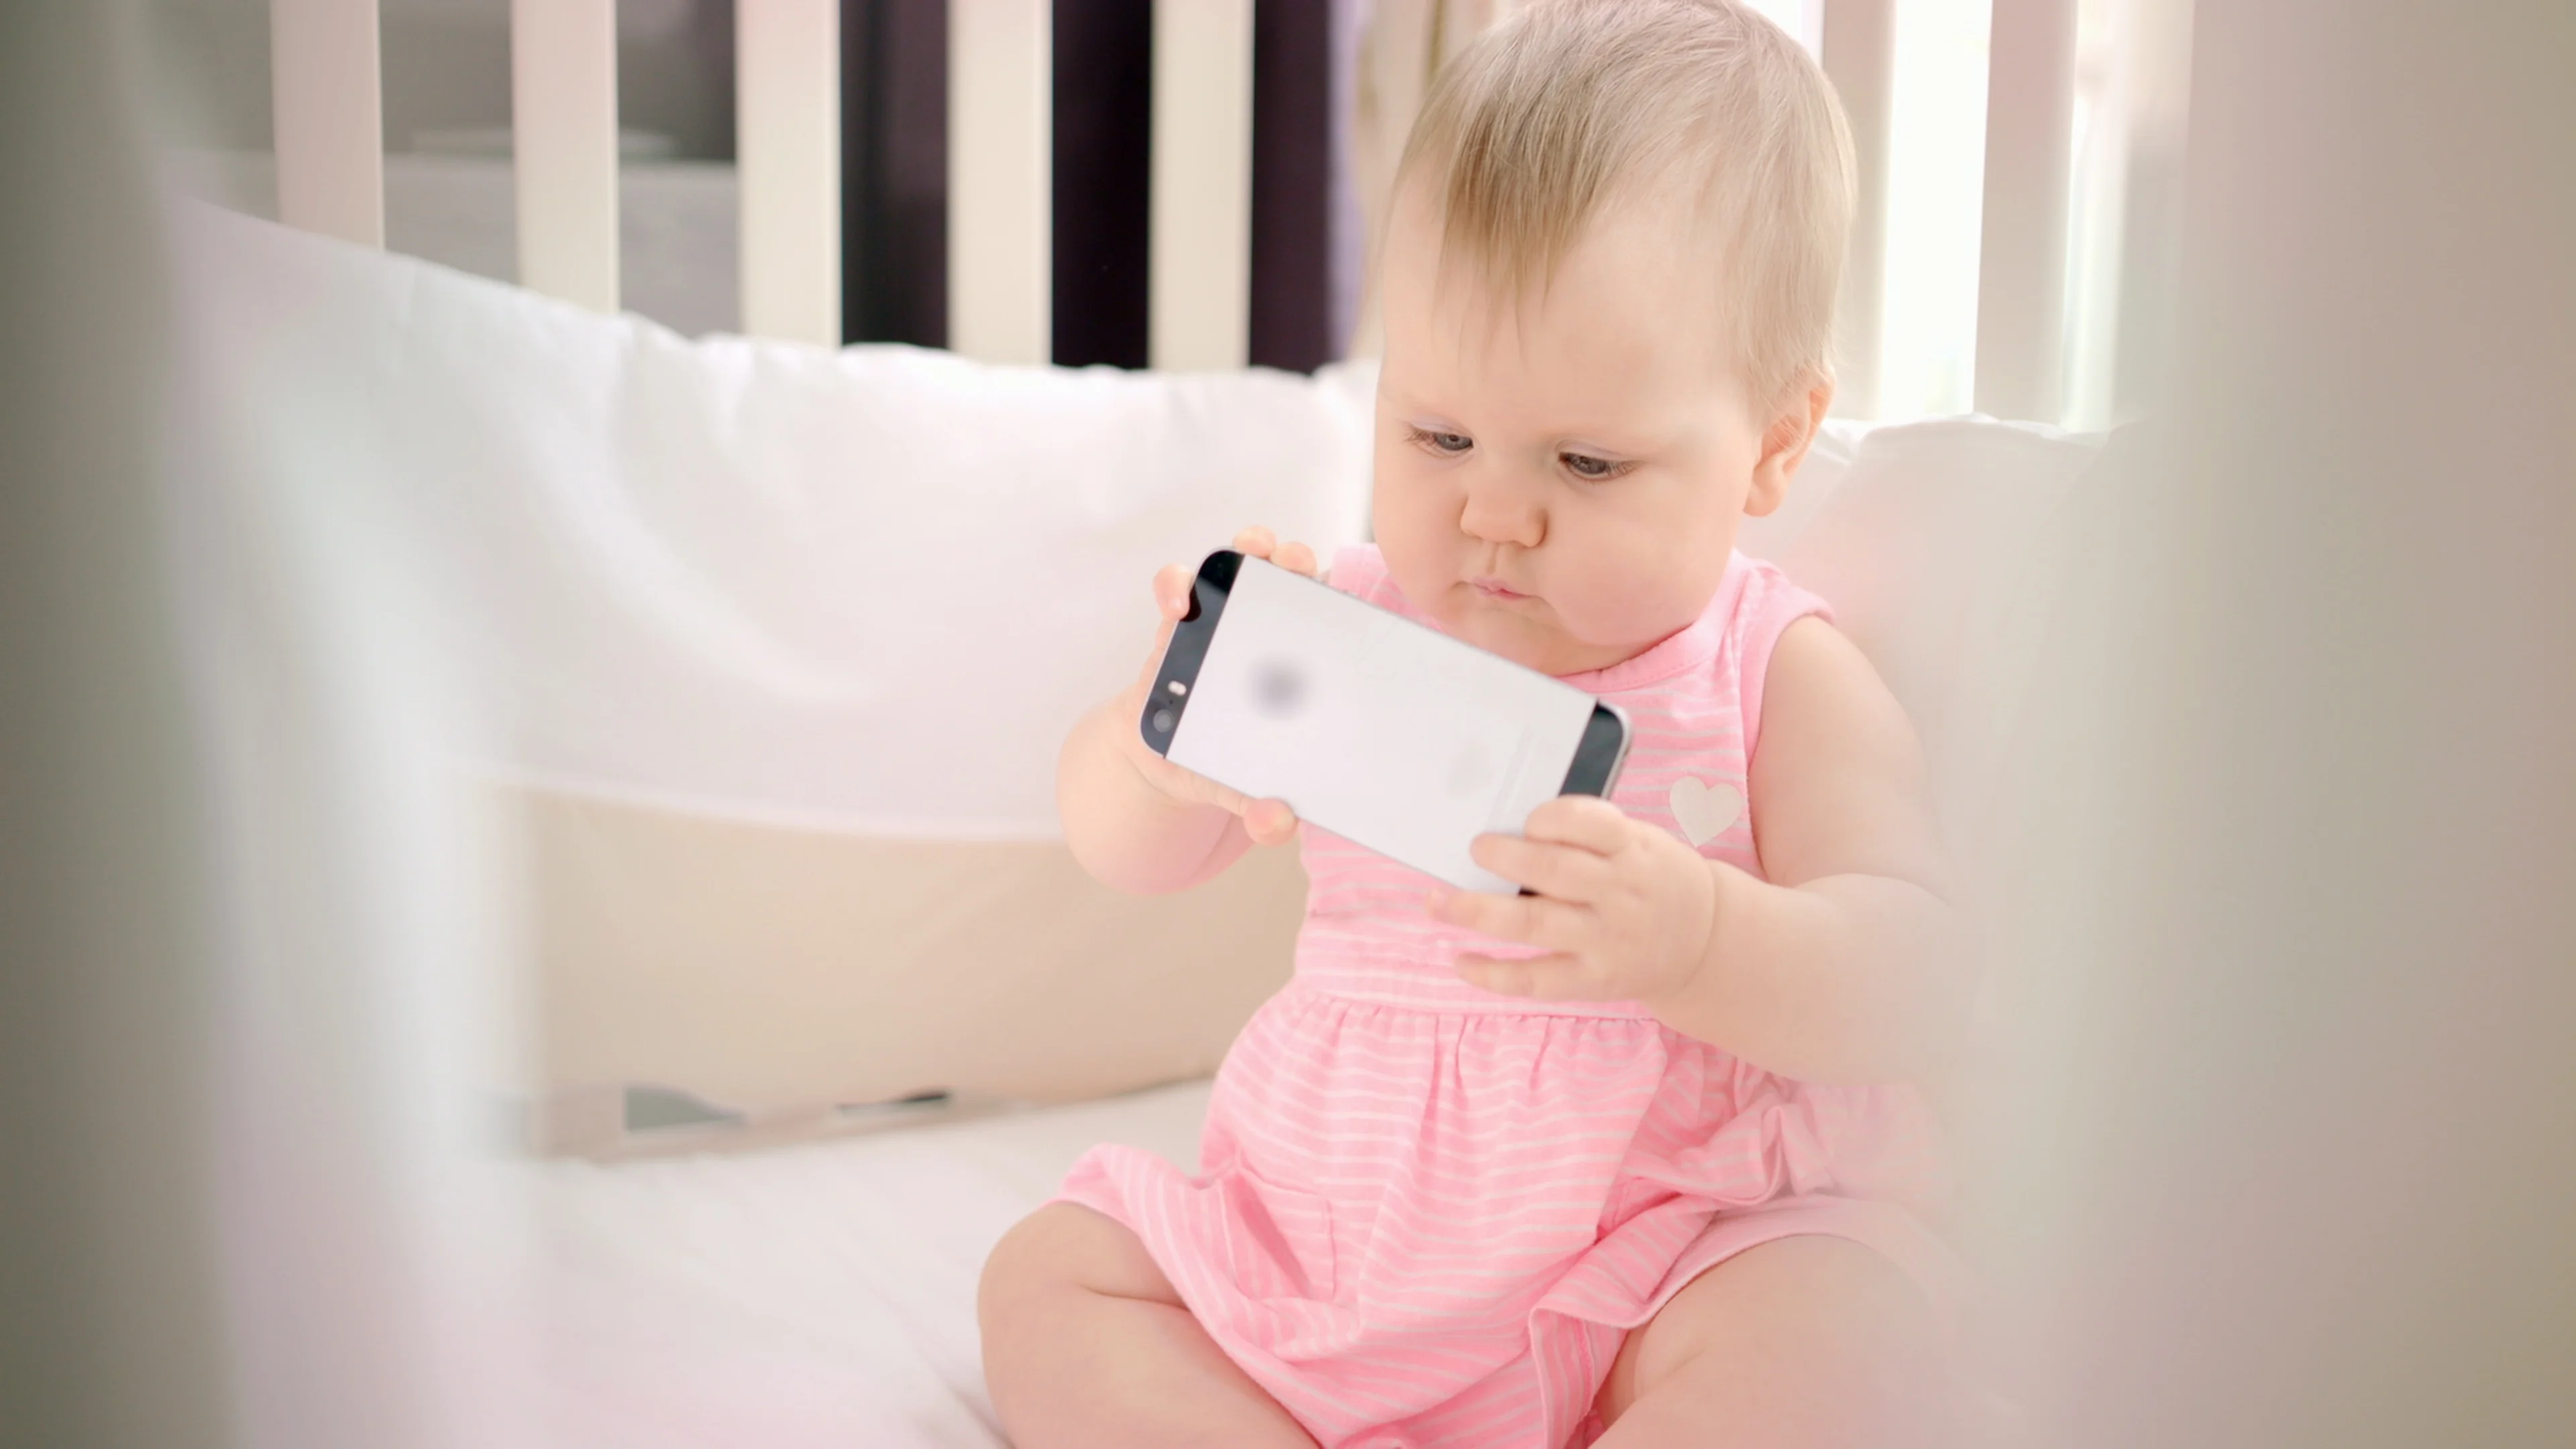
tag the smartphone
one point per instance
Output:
(1381, 730)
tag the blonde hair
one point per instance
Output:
(1569, 104)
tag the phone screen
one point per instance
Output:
(1371, 726)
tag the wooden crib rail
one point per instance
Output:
(1199, 226)
(327, 89)
(1859, 55)
(2021, 265)
(563, 98)
(787, 88)
(1000, 187)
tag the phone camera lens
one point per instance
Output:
(1163, 721)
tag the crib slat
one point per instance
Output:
(788, 139)
(327, 80)
(1860, 58)
(563, 102)
(2021, 275)
(1000, 155)
(1200, 233)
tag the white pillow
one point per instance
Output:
(1939, 544)
(1943, 548)
(852, 589)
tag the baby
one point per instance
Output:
(1631, 1159)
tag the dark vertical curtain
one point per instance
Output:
(894, 171)
(1292, 172)
(895, 189)
(1104, 121)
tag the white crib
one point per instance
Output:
(822, 1293)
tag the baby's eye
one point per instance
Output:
(1591, 469)
(1447, 445)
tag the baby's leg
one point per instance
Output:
(1800, 1341)
(1086, 1344)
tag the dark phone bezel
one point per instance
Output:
(1604, 747)
(1188, 647)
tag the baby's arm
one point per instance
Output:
(1851, 964)
(1137, 821)
(1848, 966)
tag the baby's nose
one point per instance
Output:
(1503, 515)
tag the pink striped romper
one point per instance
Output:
(1428, 1214)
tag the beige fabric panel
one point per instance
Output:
(765, 968)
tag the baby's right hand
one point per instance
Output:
(1268, 822)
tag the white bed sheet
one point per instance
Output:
(804, 1296)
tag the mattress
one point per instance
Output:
(805, 1296)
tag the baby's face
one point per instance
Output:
(1561, 483)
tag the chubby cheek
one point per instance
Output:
(1414, 520)
(1621, 586)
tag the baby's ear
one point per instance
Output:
(1784, 443)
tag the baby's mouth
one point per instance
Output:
(1496, 589)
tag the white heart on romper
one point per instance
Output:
(1704, 810)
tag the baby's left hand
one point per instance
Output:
(1623, 909)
